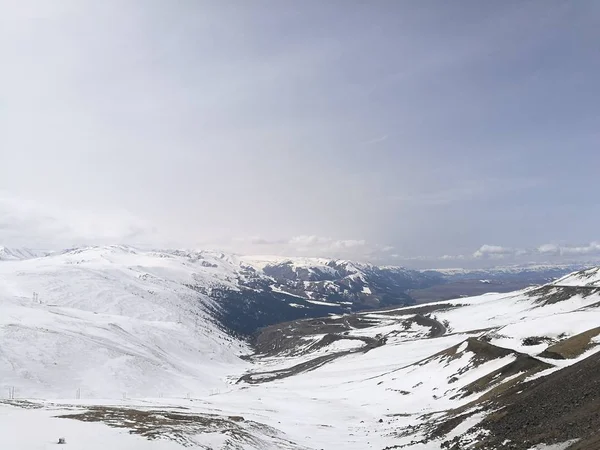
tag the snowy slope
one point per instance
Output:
(585, 278)
(394, 395)
(342, 281)
(11, 254)
(129, 326)
(116, 320)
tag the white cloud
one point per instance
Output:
(27, 224)
(593, 248)
(308, 241)
(349, 243)
(493, 251)
(303, 245)
(325, 244)
(275, 143)
(549, 249)
(258, 240)
(451, 257)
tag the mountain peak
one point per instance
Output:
(11, 254)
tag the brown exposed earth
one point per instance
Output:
(181, 427)
(558, 408)
(551, 293)
(288, 339)
(573, 346)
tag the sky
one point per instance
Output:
(418, 133)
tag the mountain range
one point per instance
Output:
(250, 292)
(172, 349)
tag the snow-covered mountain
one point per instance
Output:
(252, 292)
(247, 292)
(585, 278)
(526, 272)
(12, 254)
(116, 320)
(131, 347)
(95, 311)
(432, 376)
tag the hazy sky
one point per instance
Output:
(386, 130)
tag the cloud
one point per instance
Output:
(541, 253)
(325, 244)
(308, 241)
(360, 249)
(493, 251)
(376, 140)
(258, 240)
(277, 134)
(593, 248)
(303, 245)
(549, 249)
(27, 224)
(544, 250)
(451, 257)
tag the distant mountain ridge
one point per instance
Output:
(143, 341)
(251, 292)
(12, 254)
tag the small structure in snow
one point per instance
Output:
(62, 441)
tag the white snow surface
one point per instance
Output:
(12, 254)
(586, 278)
(109, 321)
(120, 327)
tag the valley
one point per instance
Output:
(299, 225)
(137, 349)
